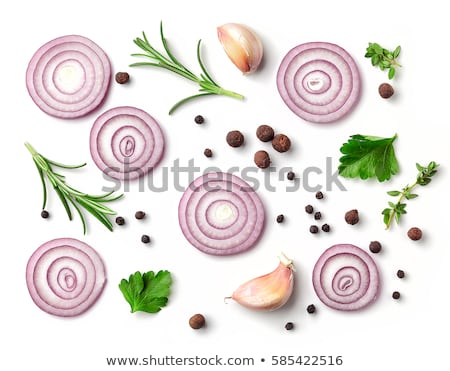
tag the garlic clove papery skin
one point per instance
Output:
(242, 46)
(268, 292)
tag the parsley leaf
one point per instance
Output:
(367, 157)
(146, 292)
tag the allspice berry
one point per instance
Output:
(197, 321)
(415, 233)
(386, 90)
(235, 138)
(262, 159)
(375, 247)
(281, 143)
(265, 133)
(139, 215)
(122, 77)
(352, 217)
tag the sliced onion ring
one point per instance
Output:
(68, 77)
(346, 278)
(319, 81)
(65, 277)
(126, 142)
(220, 214)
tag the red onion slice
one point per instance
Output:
(126, 142)
(65, 277)
(346, 278)
(220, 214)
(68, 77)
(319, 82)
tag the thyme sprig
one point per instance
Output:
(71, 196)
(396, 210)
(169, 62)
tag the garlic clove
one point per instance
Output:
(242, 46)
(270, 291)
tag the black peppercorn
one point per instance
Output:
(396, 295)
(317, 215)
(122, 77)
(309, 209)
(375, 247)
(45, 214)
(139, 215)
(265, 133)
(319, 195)
(120, 220)
(207, 152)
(262, 159)
(280, 218)
(400, 274)
(145, 238)
(199, 119)
(311, 308)
(386, 90)
(415, 233)
(291, 175)
(281, 143)
(314, 229)
(235, 138)
(289, 326)
(326, 228)
(352, 217)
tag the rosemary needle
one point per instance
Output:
(94, 204)
(169, 62)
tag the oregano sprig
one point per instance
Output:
(396, 210)
(383, 58)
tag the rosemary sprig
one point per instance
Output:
(169, 62)
(395, 210)
(69, 195)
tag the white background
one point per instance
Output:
(407, 333)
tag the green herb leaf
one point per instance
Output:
(367, 157)
(147, 292)
(410, 196)
(394, 193)
(391, 73)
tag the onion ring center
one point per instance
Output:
(127, 146)
(69, 76)
(67, 279)
(222, 214)
(317, 82)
